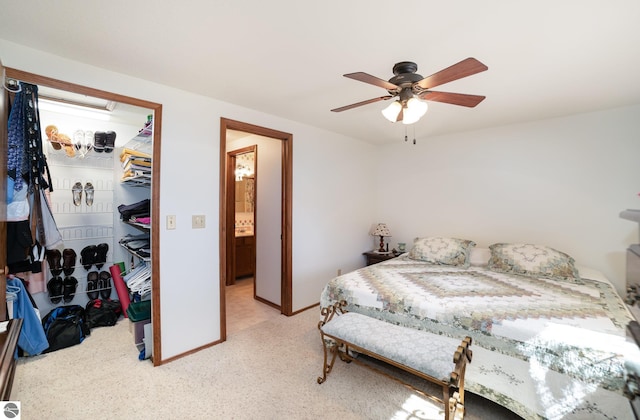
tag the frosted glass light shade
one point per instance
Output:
(391, 112)
(414, 111)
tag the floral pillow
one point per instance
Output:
(444, 251)
(532, 260)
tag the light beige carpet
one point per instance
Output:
(266, 371)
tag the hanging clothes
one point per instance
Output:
(27, 169)
(32, 338)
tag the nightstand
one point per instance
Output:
(374, 258)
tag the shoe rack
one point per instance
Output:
(82, 203)
(86, 192)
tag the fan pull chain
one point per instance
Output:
(405, 133)
(414, 134)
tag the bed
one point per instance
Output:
(549, 335)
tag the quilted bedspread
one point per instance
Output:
(543, 348)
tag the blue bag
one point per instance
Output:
(65, 326)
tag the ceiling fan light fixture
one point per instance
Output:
(391, 112)
(414, 110)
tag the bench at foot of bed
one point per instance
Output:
(421, 353)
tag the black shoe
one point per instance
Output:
(54, 287)
(53, 259)
(68, 261)
(88, 256)
(99, 141)
(101, 255)
(104, 285)
(70, 285)
(110, 141)
(92, 285)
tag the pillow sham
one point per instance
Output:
(532, 260)
(443, 251)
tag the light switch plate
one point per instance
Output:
(197, 221)
(171, 221)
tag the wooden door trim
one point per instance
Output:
(155, 184)
(226, 227)
(4, 139)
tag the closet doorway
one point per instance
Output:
(156, 110)
(266, 139)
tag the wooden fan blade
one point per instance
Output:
(459, 70)
(357, 104)
(452, 98)
(372, 80)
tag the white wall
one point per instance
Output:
(333, 188)
(559, 182)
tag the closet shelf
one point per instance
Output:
(145, 135)
(135, 254)
(142, 226)
(136, 158)
(138, 181)
(96, 160)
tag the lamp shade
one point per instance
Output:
(414, 111)
(381, 229)
(391, 112)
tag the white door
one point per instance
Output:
(268, 278)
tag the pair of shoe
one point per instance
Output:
(98, 283)
(104, 141)
(67, 257)
(77, 193)
(83, 142)
(94, 254)
(62, 289)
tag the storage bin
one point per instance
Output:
(139, 311)
(137, 329)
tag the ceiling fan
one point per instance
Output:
(410, 88)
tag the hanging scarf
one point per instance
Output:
(26, 159)
(37, 161)
(16, 155)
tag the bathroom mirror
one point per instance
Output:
(245, 182)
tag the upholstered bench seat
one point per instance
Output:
(438, 359)
(423, 351)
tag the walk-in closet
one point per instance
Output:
(99, 155)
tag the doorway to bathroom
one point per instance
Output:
(269, 225)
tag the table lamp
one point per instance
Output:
(382, 231)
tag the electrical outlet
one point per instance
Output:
(171, 221)
(197, 221)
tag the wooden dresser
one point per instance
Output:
(8, 344)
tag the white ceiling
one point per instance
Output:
(546, 58)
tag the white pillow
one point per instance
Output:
(444, 251)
